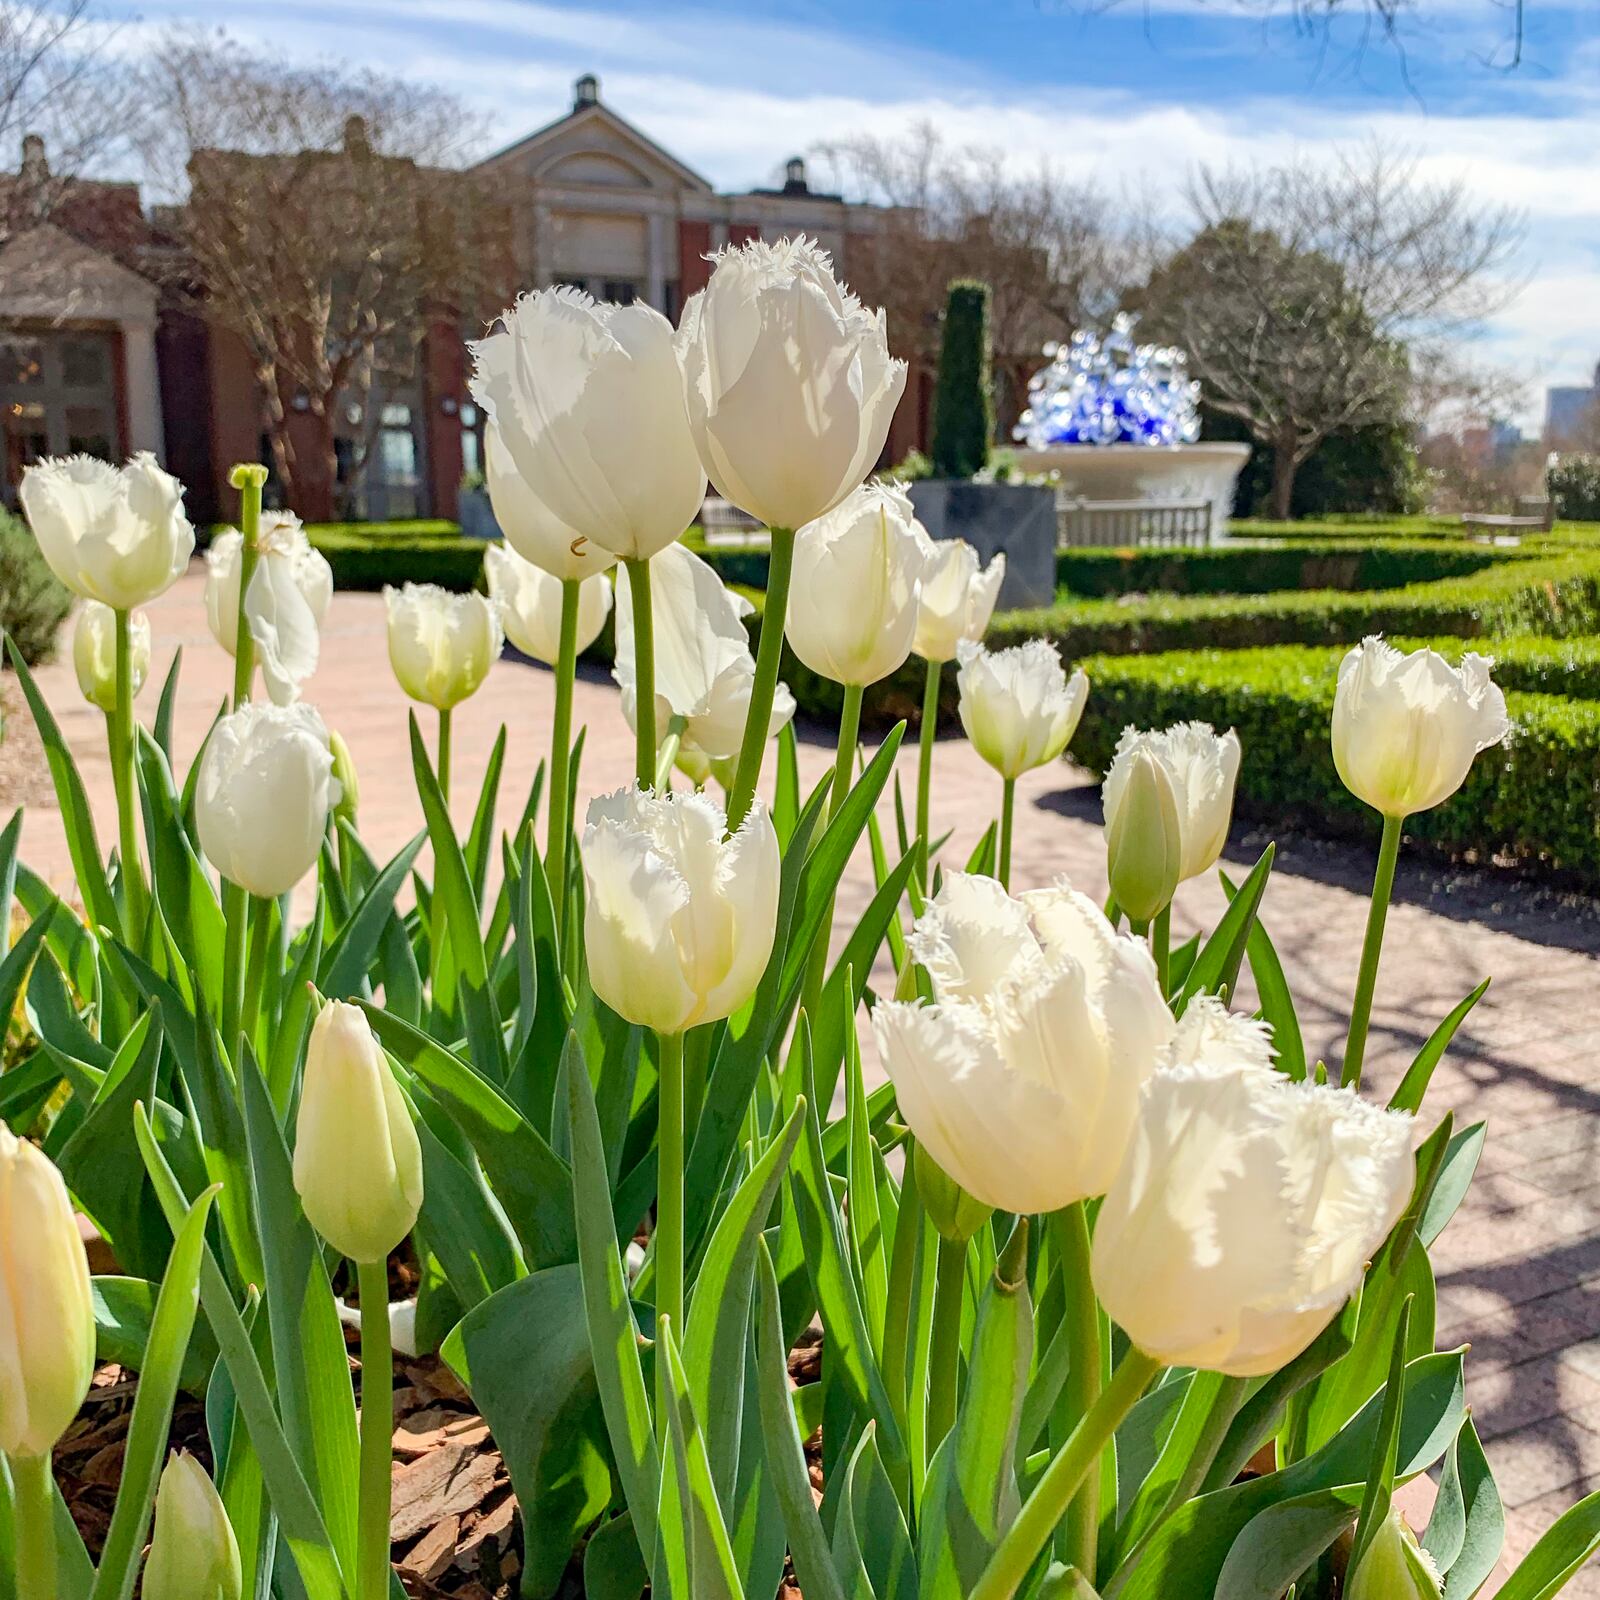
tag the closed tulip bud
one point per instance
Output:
(957, 598)
(588, 401)
(357, 1159)
(193, 1553)
(441, 645)
(1245, 1215)
(119, 537)
(679, 921)
(1202, 768)
(857, 577)
(266, 789)
(699, 634)
(529, 602)
(46, 1313)
(1022, 1078)
(955, 1215)
(1406, 727)
(530, 527)
(790, 384)
(1018, 706)
(94, 653)
(346, 776)
(1395, 1567)
(1144, 838)
(290, 591)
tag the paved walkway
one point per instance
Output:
(1519, 1270)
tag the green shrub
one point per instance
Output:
(1573, 482)
(368, 556)
(1557, 595)
(1535, 799)
(1242, 569)
(963, 407)
(33, 601)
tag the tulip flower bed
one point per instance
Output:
(1107, 1291)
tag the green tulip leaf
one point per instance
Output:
(1467, 1530)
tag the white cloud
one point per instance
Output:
(733, 97)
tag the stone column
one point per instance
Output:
(143, 387)
(656, 261)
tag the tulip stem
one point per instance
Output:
(644, 679)
(925, 737)
(669, 1200)
(34, 1525)
(1008, 807)
(944, 1355)
(560, 815)
(244, 645)
(126, 781)
(444, 755)
(1081, 1314)
(235, 948)
(1161, 945)
(377, 1433)
(1028, 1535)
(844, 761)
(1355, 1047)
(769, 654)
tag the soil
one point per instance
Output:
(24, 772)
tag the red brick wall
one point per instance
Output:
(183, 363)
(743, 232)
(444, 376)
(694, 245)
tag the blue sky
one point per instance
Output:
(1131, 92)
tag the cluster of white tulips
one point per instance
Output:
(1103, 1241)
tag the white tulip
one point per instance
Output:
(957, 598)
(588, 401)
(857, 579)
(1022, 1078)
(679, 921)
(119, 537)
(790, 384)
(266, 789)
(1018, 706)
(710, 741)
(530, 527)
(1406, 727)
(699, 634)
(441, 645)
(193, 1552)
(357, 1158)
(291, 589)
(1144, 839)
(46, 1312)
(94, 653)
(1209, 1034)
(1202, 769)
(529, 599)
(1245, 1215)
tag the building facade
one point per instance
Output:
(97, 357)
(1572, 414)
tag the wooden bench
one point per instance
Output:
(1532, 511)
(1111, 524)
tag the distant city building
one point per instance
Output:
(98, 354)
(1572, 413)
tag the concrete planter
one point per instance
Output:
(1176, 474)
(476, 515)
(1017, 518)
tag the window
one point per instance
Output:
(672, 296)
(85, 363)
(89, 430)
(57, 397)
(571, 283)
(623, 290)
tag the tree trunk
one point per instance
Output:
(1285, 464)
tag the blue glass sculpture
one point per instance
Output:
(1111, 391)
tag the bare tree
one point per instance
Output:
(1313, 299)
(1042, 243)
(324, 222)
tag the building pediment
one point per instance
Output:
(49, 275)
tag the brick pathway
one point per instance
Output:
(1519, 1270)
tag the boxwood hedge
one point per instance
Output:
(1535, 799)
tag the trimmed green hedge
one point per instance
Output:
(33, 601)
(1555, 595)
(1535, 799)
(368, 555)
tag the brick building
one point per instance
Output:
(95, 356)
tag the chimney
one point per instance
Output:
(794, 176)
(35, 163)
(356, 142)
(586, 92)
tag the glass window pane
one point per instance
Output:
(85, 362)
(89, 431)
(396, 416)
(23, 361)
